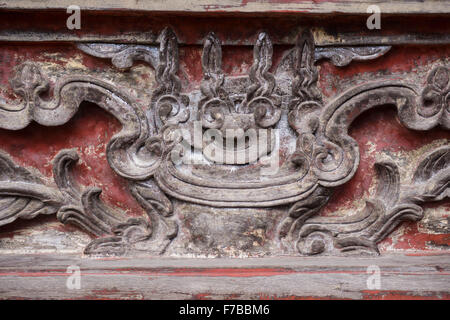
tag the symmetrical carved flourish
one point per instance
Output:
(393, 203)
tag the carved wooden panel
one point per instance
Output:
(224, 139)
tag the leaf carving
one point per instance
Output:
(392, 204)
(160, 210)
(24, 194)
(389, 182)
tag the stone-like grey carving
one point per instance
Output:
(122, 55)
(24, 194)
(393, 203)
(145, 150)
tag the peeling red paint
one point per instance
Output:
(91, 128)
(403, 295)
(201, 296)
(412, 238)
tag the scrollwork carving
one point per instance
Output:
(324, 157)
(122, 55)
(342, 56)
(125, 150)
(24, 194)
(393, 203)
(435, 102)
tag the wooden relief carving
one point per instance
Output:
(216, 150)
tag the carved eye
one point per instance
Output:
(213, 113)
(164, 111)
(264, 111)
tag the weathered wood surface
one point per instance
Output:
(402, 277)
(240, 6)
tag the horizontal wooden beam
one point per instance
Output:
(149, 38)
(45, 276)
(241, 6)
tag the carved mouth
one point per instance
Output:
(238, 147)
